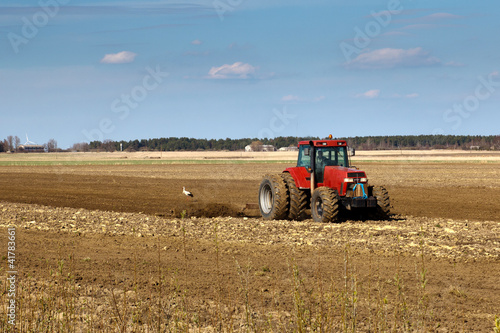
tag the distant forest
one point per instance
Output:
(362, 143)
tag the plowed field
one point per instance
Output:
(112, 246)
(454, 190)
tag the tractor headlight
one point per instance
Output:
(357, 180)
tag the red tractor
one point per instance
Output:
(323, 182)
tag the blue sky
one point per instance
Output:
(79, 71)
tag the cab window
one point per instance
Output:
(331, 156)
(304, 159)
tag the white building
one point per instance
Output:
(31, 148)
(260, 148)
(292, 148)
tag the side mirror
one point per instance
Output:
(307, 151)
(352, 151)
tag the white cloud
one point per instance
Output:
(422, 26)
(412, 95)
(290, 98)
(454, 64)
(385, 13)
(196, 42)
(369, 94)
(435, 18)
(238, 70)
(432, 21)
(440, 16)
(119, 58)
(390, 58)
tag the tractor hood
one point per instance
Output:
(345, 172)
(335, 176)
(340, 168)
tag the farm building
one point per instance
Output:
(292, 148)
(260, 148)
(31, 148)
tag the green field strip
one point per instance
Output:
(425, 161)
(219, 161)
(139, 162)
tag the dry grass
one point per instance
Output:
(59, 303)
(207, 156)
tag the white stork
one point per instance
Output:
(187, 193)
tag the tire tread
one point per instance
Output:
(331, 204)
(298, 199)
(279, 210)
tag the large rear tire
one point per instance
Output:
(325, 206)
(298, 199)
(273, 198)
(383, 209)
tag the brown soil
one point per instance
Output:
(467, 190)
(119, 229)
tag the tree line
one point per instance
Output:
(362, 143)
(12, 143)
(426, 142)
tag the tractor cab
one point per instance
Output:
(321, 163)
(325, 155)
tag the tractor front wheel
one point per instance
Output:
(325, 205)
(273, 198)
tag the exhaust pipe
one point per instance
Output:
(312, 155)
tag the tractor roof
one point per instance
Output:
(324, 143)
